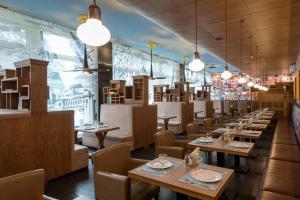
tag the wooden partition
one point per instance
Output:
(32, 141)
(278, 101)
(187, 114)
(144, 125)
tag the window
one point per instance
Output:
(129, 62)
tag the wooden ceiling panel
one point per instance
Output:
(274, 24)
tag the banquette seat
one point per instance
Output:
(183, 112)
(116, 115)
(281, 179)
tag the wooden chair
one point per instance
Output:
(194, 131)
(165, 143)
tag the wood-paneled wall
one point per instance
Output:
(277, 101)
(32, 141)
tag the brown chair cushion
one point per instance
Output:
(289, 138)
(266, 195)
(285, 152)
(141, 190)
(282, 177)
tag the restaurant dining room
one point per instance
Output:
(149, 99)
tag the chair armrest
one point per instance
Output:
(106, 185)
(134, 163)
(176, 152)
(181, 143)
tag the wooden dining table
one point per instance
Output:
(166, 119)
(99, 130)
(248, 134)
(253, 126)
(196, 114)
(172, 180)
(221, 148)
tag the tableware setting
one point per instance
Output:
(159, 166)
(155, 164)
(206, 178)
(193, 159)
(103, 126)
(89, 128)
(205, 140)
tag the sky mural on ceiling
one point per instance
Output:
(126, 26)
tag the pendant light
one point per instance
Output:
(242, 79)
(196, 65)
(250, 83)
(93, 32)
(226, 73)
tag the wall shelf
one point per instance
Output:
(26, 87)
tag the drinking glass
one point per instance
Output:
(163, 158)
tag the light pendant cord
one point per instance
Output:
(256, 60)
(196, 23)
(226, 31)
(250, 55)
(242, 21)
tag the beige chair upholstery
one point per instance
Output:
(111, 181)
(165, 143)
(25, 186)
(80, 157)
(194, 131)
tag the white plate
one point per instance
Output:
(103, 126)
(157, 165)
(205, 140)
(239, 145)
(89, 128)
(207, 176)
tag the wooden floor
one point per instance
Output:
(243, 186)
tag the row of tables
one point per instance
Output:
(172, 179)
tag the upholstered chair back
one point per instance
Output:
(25, 186)
(114, 159)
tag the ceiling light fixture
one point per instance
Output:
(242, 79)
(226, 73)
(93, 32)
(196, 65)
